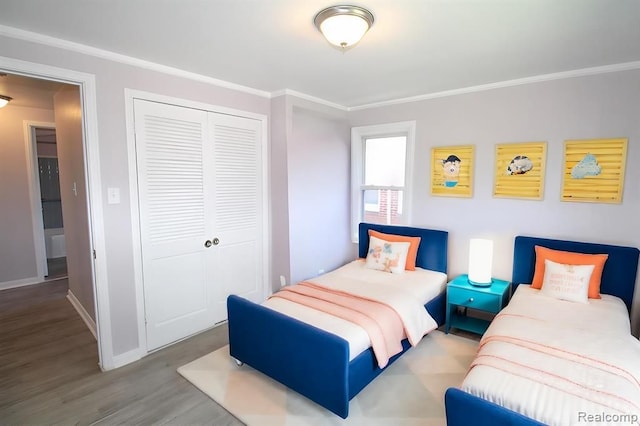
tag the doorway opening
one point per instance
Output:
(51, 202)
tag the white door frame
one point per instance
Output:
(87, 85)
(129, 96)
(33, 177)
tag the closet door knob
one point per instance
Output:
(207, 243)
(216, 241)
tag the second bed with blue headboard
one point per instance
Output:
(514, 378)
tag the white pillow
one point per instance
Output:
(387, 256)
(566, 282)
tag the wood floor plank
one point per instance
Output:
(49, 370)
(21, 297)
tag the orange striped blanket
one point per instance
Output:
(382, 323)
(531, 362)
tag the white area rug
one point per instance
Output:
(409, 392)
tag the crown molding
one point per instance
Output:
(626, 66)
(123, 59)
(308, 98)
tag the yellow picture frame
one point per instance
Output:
(593, 170)
(452, 170)
(519, 170)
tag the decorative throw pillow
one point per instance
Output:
(566, 282)
(413, 248)
(570, 258)
(387, 256)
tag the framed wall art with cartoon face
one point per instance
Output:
(452, 171)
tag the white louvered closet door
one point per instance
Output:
(237, 212)
(200, 218)
(171, 153)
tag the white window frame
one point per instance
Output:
(358, 137)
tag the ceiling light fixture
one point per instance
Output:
(343, 26)
(4, 100)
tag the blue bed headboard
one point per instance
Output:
(618, 276)
(432, 252)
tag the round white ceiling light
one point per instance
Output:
(343, 26)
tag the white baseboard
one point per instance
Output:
(91, 325)
(127, 358)
(20, 283)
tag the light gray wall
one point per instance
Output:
(309, 189)
(280, 127)
(111, 80)
(75, 212)
(17, 251)
(319, 185)
(600, 106)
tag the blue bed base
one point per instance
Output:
(618, 279)
(311, 361)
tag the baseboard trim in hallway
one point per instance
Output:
(91, 324)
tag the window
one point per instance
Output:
(371, 200)
(381, 174)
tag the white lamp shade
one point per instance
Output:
(344, 30)
(4, 101)
(480, 261)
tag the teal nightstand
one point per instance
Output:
(461, 294)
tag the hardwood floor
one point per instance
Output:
(49, 370)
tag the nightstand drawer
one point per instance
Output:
(474, 299)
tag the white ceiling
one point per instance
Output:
(415, 47)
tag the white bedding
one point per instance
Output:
(560, 362)
(422, 285)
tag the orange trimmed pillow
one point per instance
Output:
(570, 258)
(413, 246)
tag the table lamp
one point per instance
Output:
(480, 261)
